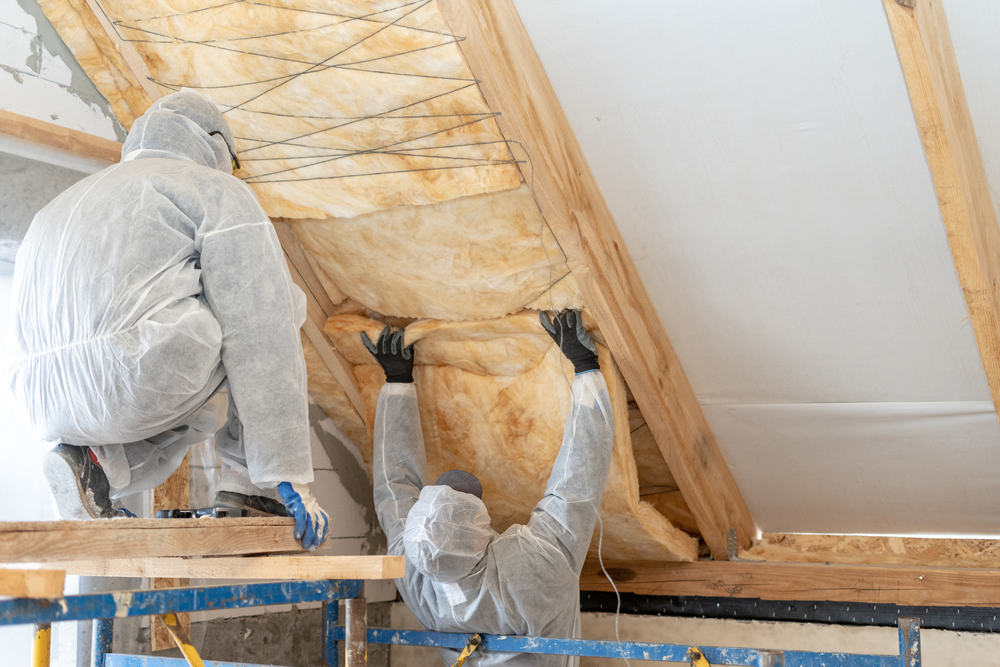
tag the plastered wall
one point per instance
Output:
(41, 79)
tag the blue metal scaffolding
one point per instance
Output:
(103, 608)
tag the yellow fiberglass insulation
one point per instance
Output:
(338, 107)
(494, 397)
(475, 257)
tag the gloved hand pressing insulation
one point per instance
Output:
(312, 524)
(395, 360)
(574, 341)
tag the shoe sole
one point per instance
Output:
(72, 501)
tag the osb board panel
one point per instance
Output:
(475, 257)
(494, 397)
(857, 549)
(339, 108)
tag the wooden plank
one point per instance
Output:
(135, 538)
(289, 568)
(175, 493)
(32, 583)
(795, 581)
(318, 310)
(869, 550)
(133, 60)
(56, 137)
(139, 524)
(513, 81)
(923, 43)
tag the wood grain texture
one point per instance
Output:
(788, 581)
(73, 142)
(32, 583)
(39, 542)
(175, 493)
(319, 307)
(930, 68)
(133, 60)
(288, 568)
(856, 549)
(513, 81)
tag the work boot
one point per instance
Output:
(79, 485)
(258, 505)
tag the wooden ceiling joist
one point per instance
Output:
(513, 81)
(923, 42)
(796, 581)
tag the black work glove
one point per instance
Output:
(574, 341)
(395, 360)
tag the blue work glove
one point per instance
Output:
(395, 360)
(574, 341)
(312, 524)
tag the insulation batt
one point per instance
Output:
(493, 398)
(339, 108)
(476, 257)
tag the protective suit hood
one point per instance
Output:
(179, 125)
(447, 533)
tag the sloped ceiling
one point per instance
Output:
(764, 166)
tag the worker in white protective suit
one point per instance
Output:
(461, 576)
(139, 293)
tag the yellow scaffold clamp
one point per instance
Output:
(697, 658)
(470, 646)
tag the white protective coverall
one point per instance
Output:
(141, 290)
(461, 576)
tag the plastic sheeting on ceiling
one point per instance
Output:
(765, 169)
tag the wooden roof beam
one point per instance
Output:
(513, 81)
(923, 43)
(797, 581)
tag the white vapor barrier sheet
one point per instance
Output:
(764, 166)
(866, 467)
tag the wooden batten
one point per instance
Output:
(64, 140)
(513, 81)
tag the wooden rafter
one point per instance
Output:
(796, 581)
(513, 81)
(923, 42)
(319, 308)
(132, 59)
